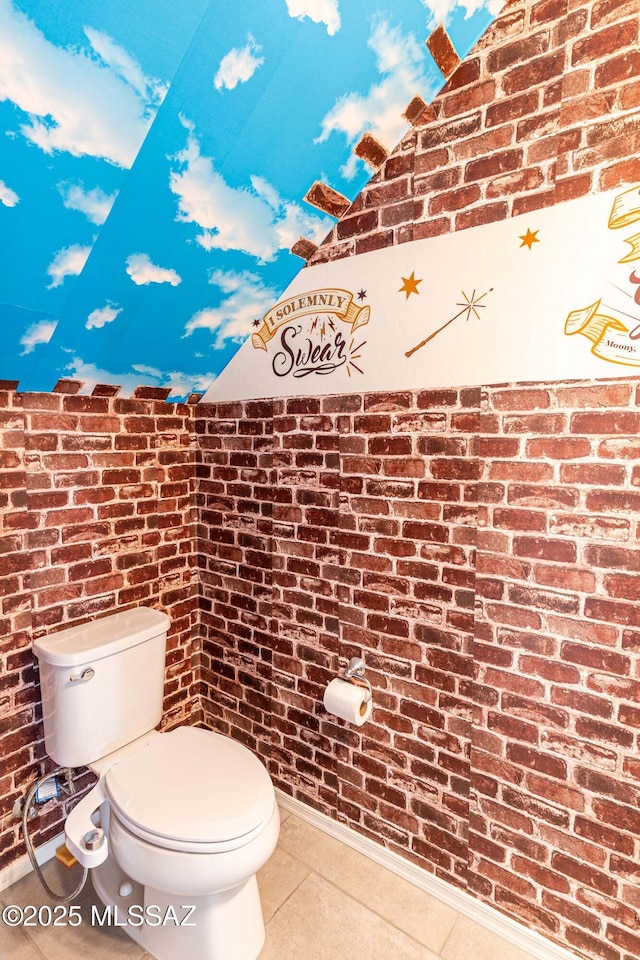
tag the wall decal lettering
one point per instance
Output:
(308, 335)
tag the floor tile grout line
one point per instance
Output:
(32, 943)
(291, 894)
(367, 906)
(22, 930)
(389, 923)
(449, 935)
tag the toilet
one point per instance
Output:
(178, 823)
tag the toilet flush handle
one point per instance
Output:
(87, 674)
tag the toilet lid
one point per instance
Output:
(192, 785)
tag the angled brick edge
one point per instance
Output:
(443, 51)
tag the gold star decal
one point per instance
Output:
(529, 238)
(409, 285)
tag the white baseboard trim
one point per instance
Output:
(20, 868)
(511, 930)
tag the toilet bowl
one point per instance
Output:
(179, 823)
(189, 818)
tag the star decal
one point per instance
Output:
(362, 294)
(409, 285)
(256, 322)
(529, 238)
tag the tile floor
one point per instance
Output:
(321, 901)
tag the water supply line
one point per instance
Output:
(69, 787)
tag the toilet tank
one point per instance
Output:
(102, 684)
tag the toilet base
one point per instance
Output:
(223, 926)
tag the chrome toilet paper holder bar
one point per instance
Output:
(355, 672)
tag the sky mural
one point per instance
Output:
(155, 159)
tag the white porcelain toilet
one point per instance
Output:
(177, 820)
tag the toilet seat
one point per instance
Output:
(191, 790)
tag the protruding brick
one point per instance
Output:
(151, 393)
(304, 248)
(371, 151)
(327, 199)
(68, 386)
(418, 112)
(105, 390)
(443, 51)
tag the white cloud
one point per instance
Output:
(402, 62)
(320, 11)
(238, 66)
(8, 197)
(37, 333)
(181, 384)
(256, 221)
(87, 102)
(124, 66)
(143, 271)
(95, 204)
(148, 371)
(68, 262)
(295, 223)
(441, 10)
(246, 301)
(103, 315)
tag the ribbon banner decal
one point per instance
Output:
(626, 209)
(609, 335)
(338, 303)
(634, 241)
(309, 336)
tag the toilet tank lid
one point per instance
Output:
(100, 638)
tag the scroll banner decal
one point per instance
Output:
(634, 241)
(609, 335)
(626, 209)
(335, 301)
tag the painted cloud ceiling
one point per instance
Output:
(155, 158)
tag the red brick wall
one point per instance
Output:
(18, 711)
(555, 775)
(501, 753)
(362, 544)
(408, 534)
(97, 510)
(307, 573)
(234, 496)
(545, 108)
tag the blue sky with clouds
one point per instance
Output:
(154, 161)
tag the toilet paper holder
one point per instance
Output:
(355, 672)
